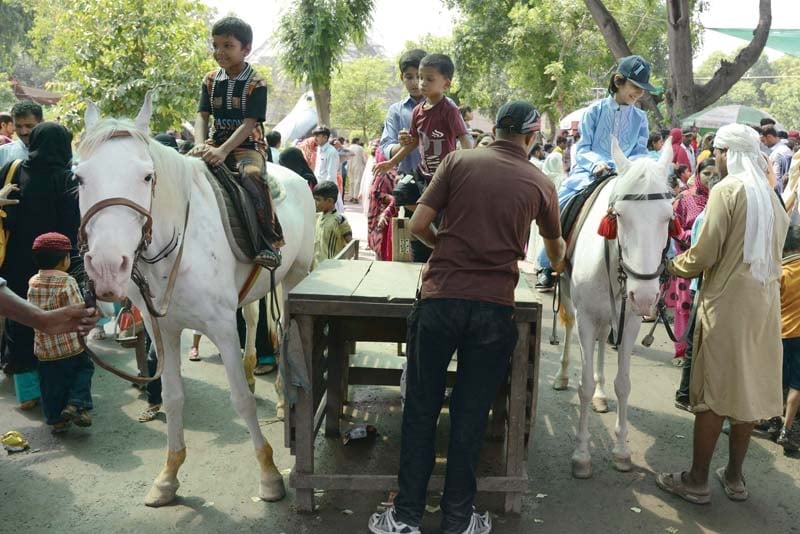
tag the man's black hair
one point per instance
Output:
(27, 107)
(327, 190)
(355, 141)
(48, 259)
(792, 243)
(783, 134)
(274, 138)
(561, 140)
(766, 121)
(234, 27)
(769, 130)
(441, 63)
(5, 117)
(411, 59)
(548, 147)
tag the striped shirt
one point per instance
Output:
(331, 236)
(231, 101)
(50, 290)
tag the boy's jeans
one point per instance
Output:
(485, 336)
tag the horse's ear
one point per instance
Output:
(620, 160)
(665, 158)
(91, 116)
(142, 121)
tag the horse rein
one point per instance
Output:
(138, 278)
(624, 270)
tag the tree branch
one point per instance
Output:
(728, 72)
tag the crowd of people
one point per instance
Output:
(736, 193)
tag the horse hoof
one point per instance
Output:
(272, 488)
(560, 384)
(251, 386)
(581, 468)
(623, 463)
(599, 405)
(161, 493)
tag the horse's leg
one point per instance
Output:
(622, 386)
(227, 340)
(599, 399)
(561, 380)
(581, 459)
(166, 483)
(250, 313)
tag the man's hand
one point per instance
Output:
(74, 318)
(404, 138)
(214, 156)
(382, 167)
(559, 266)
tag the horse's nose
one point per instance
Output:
(122, 267)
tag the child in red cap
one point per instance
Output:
(65, 370)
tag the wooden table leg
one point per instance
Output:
(497, 428)
(337, 357)
(304, 420)
(517, 404)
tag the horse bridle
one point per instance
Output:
(624, 270)
(138, 278)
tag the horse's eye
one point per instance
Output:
(148, 178)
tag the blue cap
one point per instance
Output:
(637, 70)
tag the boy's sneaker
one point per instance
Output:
(788, 440)
(479, 524)
(544, 281)
(385, 523)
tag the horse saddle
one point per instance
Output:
(578, 207)
(238, 214)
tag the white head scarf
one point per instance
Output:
(746, 165)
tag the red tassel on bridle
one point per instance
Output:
(608, 226)
(675, 229)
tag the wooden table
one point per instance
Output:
(369, 301)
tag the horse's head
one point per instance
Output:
(116, 177)
(642, 202)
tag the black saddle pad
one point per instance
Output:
(570, 213)
(241, 213)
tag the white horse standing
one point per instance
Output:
(120, 161)
(640, 200)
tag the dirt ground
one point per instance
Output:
(95, 479)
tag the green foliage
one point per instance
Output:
(7, 98)
(760, 88)
(16, 20)
(359, 94)
(550, 53)
(313, 35)
(113, 51)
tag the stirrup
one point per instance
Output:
(268, 258)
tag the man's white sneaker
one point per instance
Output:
(479, 524)
(385, 523)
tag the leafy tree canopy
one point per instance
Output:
(360, 97)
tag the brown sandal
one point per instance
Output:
(150, 413)
(673, 483)
(732, 494)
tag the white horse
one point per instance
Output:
(640, 201)
(118, 163)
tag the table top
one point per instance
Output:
(379, 288)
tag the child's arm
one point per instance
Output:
(387, 166)
(217, 155)
(466, 141)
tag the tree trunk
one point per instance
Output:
(618, 45)
(322, 99)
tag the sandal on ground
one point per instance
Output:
(673, 483)
(150, 413)
(194, 355)
(29, 404)
(264, 369)
(733, 494)
(59, 428)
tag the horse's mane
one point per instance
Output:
(643, 176)
(171, 168)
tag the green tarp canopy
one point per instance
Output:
(786, 41)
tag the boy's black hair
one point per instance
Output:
(766, 121)
(411, 59)
(792, 243)
(5, 117)
(654, 138)
(355, 141)
(327, 190)
(561, 140)
(48, 259)
(234, 27)
(25, 108)
(617, 81)
(548, 147)
(681, 169)
(441, 63)
(783, 135)
(769, 130)
(464, 110)
(274, 138)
